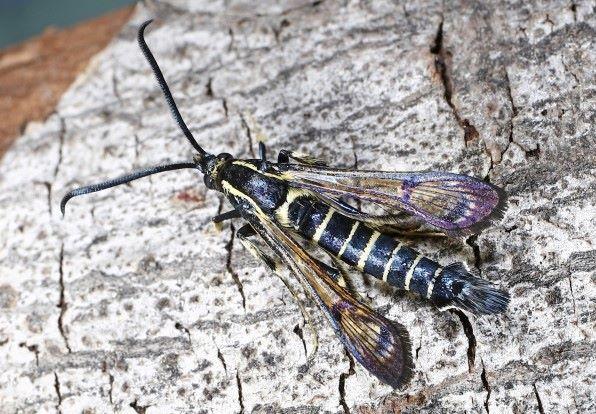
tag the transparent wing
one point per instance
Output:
(457, 204)
(380, 345)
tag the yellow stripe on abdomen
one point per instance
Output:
(410, 271)
(321, 227)
(366, 252)
(347, 242)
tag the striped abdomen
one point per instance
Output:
(360, 246)
(388, 259)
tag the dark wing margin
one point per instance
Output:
(455, 203)
(383, 347)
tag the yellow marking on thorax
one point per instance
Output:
(321, 227)
(390, 262)
(283, 211)
(367, 250)
(410, 272)
(230, 189)
(431, 284)
(216, 167)
(279, 176)
(347, 242)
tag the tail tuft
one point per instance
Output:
(481, 297)
(458, 288)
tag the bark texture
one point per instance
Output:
(135, 303)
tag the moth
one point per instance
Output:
(298, 201)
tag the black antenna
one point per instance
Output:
(123, 180)
(150, 170)
(165, 89)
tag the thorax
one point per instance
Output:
(245, 185)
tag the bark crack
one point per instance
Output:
(105, 370)
(486, 386)
(184, 329)
(534, 153)
(231, 45)
(209, 88)
(31, 348)
(248, 135)
(96, 240)
(240, 398)
(62, 301)
(235, 277)
(469, 332)
(418, 348)
(342, 384)
(572, 295)
(115, 90)
(58, 393)
(548, 20)
(573, 75)
(224, 104)
(221, 358)
(358, 202)
(298, 331)
(472, 241)
(209, 92)
(573, 9)
(139, 409)
(111, 390)
(278, 29)
(514, 113)
(540, 406)
(443, 68)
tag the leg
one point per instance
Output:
(284, 157)
(345, 281)
(232, 214)
(262, 156)
(262, 151)
(244, 233)
(228, 215)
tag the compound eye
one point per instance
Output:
(225, 156)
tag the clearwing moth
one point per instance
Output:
(300, 200)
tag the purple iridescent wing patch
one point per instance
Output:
(454, 203)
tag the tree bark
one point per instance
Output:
(134, 302)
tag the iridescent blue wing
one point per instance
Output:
(380, 345)
(455, 203)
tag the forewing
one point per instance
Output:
(380, 345)
(455, 203)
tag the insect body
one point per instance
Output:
(390, 260)
(297, 198)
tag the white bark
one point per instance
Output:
(135, 302)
